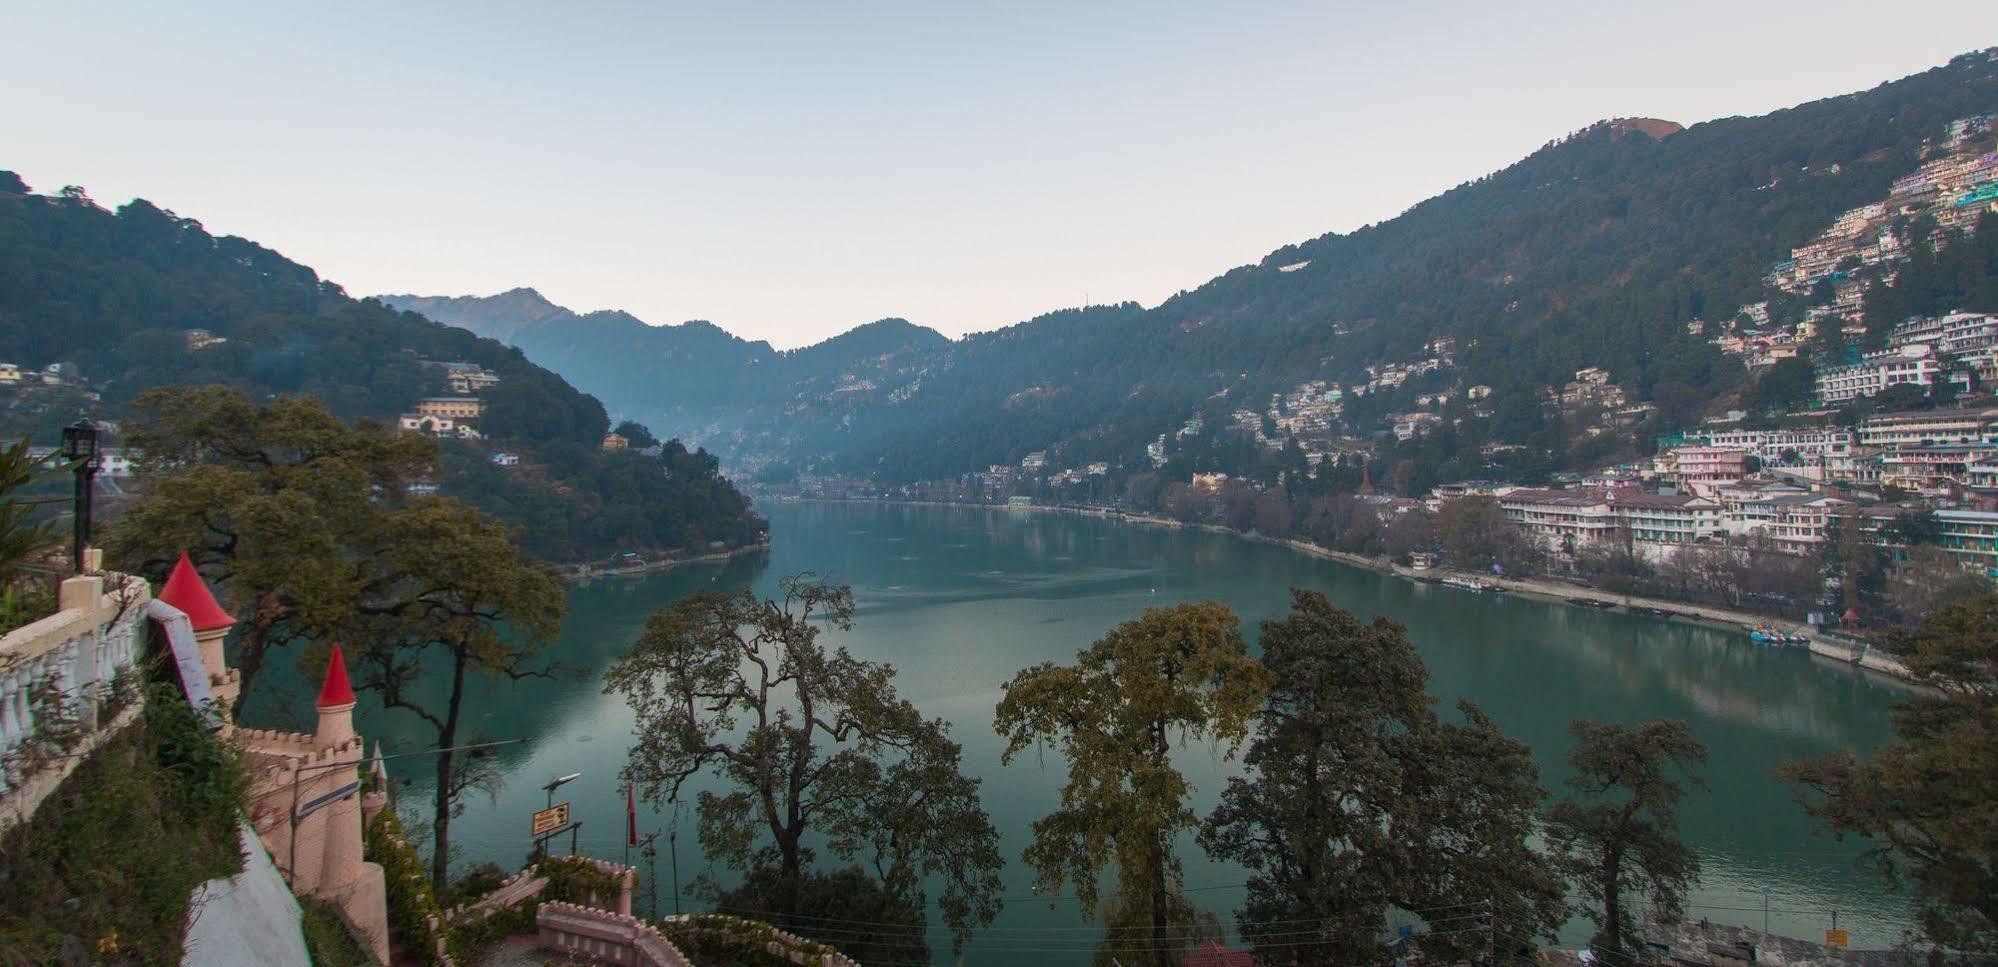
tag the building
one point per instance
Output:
(1207, 483)
(504, 459)
(1567, 519)
(1971, 536)
(1929, 426)
(198, 339)
(450, 407)
(1559, 518)
(1037, 460)
(1958, 332)
(614, 442)
(1933, 467)
(437, 426)
(1790, 516)
(1664, 518)
(1704, 469)
(1807, 442)
(1876, 371)
(1408, 426)
(10, 374)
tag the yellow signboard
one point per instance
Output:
(551, 819)
(1837, 938)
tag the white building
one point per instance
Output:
(1562, 519)
(1808, 442)
(1914, 363)
(1929, 426)
(1957, 332)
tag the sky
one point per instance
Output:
(788, 171)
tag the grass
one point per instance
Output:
(104, 868)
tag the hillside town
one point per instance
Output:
(1891, 439)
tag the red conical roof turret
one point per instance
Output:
(336, 691)
(185, 590)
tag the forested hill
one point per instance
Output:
(111, 297)
(1597, 250)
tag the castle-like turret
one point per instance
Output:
(335, 704)
(305, 805)
(186, 591)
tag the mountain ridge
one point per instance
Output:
(1600, 249)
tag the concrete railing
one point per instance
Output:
(56, 680)
(604, 937)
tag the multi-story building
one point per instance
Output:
(1876, 371)
(1565, 519)
(1664, 518)
(1971, 536)
(1807, 442)
(1703, 469)
(450, 407)
(1790, 516)
(1932, 467)
(1929, 426)
(1958, 332)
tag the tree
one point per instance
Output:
(22, 537)
(313, 535)
(267, 499)
(1784, 386)
(1927, 579)
(637, 434)
(1617, 828)
(1359, 800)
(452, 593)
(1476, 536)
(813, 740)
(1181, 673)
(1925, 800)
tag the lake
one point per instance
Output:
(959, 599)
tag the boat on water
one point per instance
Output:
(1466, 584)
(1770, 636)
(1591, 603)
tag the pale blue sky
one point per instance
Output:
(789, 171)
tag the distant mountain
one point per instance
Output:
(113, 298)
(1599, 250)
(694, 378)
(499, 317)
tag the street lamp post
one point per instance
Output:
(79, 448)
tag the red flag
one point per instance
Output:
(630, 817)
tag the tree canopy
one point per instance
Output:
(1926, 800)
(810, 740)
(1359, 800)
(1618, 827)
(1171, 675)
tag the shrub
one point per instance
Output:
(108, 861)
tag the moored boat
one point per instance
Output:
(1768, 635)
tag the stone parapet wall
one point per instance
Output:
(604, 937)
(56, 685)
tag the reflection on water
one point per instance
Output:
(959, 599)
